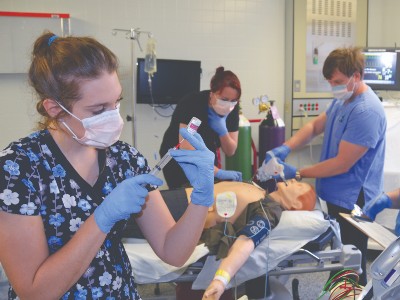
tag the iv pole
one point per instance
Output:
(134, 35)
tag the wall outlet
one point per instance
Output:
(297, 86)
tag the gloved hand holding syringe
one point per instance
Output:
(192, 128)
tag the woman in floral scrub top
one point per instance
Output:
(67, 190)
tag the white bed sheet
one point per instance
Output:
(295, 229)
(149, 268)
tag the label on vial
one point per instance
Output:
(226, 204)
(193, 125)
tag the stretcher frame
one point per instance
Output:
(327, 258)
(303, 261)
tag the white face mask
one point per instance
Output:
(340, 92)
(101, 131)
(223, 108)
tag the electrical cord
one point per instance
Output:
(343, 284)
(163, 106)
(156, 106)
(249, 237)
(267, 261)
(393, 96)
(267, 238)
(305, 115)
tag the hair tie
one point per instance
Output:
(51, 39)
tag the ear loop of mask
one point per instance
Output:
(354, 83)
(66, 110)
(74, 136)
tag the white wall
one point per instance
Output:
(384, 23)
(246, 36)
(384, 31)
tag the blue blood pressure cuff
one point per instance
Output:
(256, 229)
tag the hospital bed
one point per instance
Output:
(282, 253)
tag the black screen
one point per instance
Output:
(173, 79)
(382, 69)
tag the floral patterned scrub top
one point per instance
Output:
(37, 180)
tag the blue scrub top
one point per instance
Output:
(361, 122)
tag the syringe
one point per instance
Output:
(192, 128)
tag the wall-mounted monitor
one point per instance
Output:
(382, 68)
(173, 79)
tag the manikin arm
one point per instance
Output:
(243, 245)
(237, 256)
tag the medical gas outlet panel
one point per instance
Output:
(304, 110)
(310, 107)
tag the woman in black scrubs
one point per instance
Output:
(218, 110)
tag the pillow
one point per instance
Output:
(301, 224)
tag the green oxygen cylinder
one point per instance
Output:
(241, 160)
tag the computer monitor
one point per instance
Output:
(382, 69)
(173, 79)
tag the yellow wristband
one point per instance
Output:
(222, 276)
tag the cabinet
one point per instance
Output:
(314, 29)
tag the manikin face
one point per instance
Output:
(296, 195)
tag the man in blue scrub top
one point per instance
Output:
(350, 170)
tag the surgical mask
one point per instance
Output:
(101, 131)
(340, 92)
(223, 108)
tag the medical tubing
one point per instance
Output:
(266, 216)
(337, 280)
(267, 261)
(249, 237)
(236, 286)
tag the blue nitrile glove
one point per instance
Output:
(280, 152)
(228, 175)
(217, 122)
(198, 166)
(374, 207)
(397, 227)
(127, 198)
(288, 170)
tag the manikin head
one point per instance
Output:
(295, 196)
